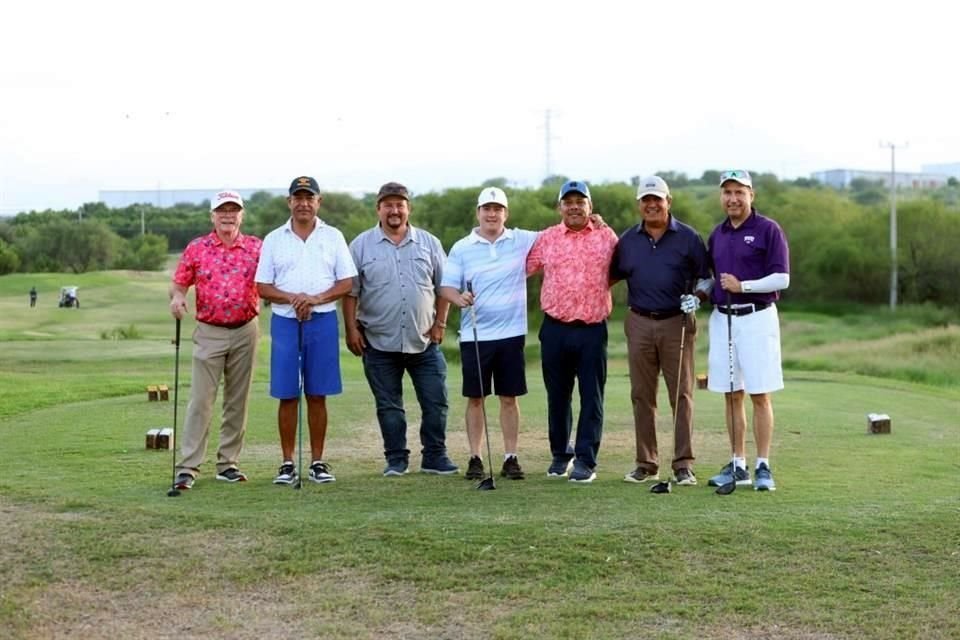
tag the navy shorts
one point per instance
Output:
(500, 359)
(321, 356)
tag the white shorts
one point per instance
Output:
(756, 352)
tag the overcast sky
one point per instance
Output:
(146, 95)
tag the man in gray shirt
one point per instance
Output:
(395, 319)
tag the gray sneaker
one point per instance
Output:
(640, 475)
(184, 482)
(582, 473)
(232, 474)
(764, 479)
(726, 477)
(684, 477)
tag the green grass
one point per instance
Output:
(860, 541)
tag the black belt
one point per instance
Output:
(743, 311)
(231, 325)
(657, 315)
(572, 323)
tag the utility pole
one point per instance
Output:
(546, 143)
(893, 221)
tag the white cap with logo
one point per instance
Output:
(223, 197)
(653, 186)
(493, 195)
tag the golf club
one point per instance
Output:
(730, 487)
(487, 484)
(661, 487)
(174, 492)
(683, 335)
(298, 483)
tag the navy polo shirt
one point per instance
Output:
(753, 251)
(658, 272)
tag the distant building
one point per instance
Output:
(950, 169)
(841, 178)
(161, 198)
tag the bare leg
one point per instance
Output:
(737, 423)
(317, 418)
(510, 423)
(475, 426)
(762, 423)
(287, 420)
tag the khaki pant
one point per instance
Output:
(230, 354)
(654, 346)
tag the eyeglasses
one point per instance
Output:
(736, 174)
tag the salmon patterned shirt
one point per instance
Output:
(576, 272)
(222, 277)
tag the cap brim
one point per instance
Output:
(307, 189)
(745, 183)
(217, 205)
(659, 194)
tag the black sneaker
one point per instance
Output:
(232, 474)
(560, 467)
(474, 469)
(439, 466)
(287, 473)
(684, 477)
(511, 469)
(184, 481)
(320, 472)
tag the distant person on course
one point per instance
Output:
(220, 266)
(33, 296)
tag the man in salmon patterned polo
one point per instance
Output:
(575, 297)
(220, 266)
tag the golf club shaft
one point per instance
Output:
(733, 420)
(300, 390)
(683, 335)
(176, 403)
(476, 349)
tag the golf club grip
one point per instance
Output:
(469, 286)
(176, 333)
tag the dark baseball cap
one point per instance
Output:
(304, 183)
(393, 189)
(574, 186)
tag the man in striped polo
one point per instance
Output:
(493, 260)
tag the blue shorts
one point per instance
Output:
(501, 360)
(321, 356)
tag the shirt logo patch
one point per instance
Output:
(748, 239)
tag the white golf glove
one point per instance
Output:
(689, 303)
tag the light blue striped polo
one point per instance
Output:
(498, 272)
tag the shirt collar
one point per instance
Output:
(476, 238)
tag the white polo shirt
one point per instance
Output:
(498, 272)
(308, 266)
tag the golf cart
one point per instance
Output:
(68, 297)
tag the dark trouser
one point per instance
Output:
(654, 346)
(574, 352)
(428, 372)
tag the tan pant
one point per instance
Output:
(230, 354)
(654, 346)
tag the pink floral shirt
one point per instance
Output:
(576, 272)
(222, 277)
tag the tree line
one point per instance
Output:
(839, 239)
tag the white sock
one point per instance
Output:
(761, 461)
(740, 463)
(507, 456)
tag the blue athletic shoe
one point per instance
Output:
(726, 477)
(582, 473)
(440, 466)
(764, 479)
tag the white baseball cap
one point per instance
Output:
(492, 195)
(223, 197)
(653, 186)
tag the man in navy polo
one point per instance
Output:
(662, 260)
(751, 264)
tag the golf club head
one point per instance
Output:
(727, 489)
(487, 484)
(173, 493)
(298, 484)
(661, 487)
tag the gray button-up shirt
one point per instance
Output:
(396, 288)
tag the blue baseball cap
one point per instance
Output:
(574, 186)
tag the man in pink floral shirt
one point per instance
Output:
(221, 267)
(575, 297)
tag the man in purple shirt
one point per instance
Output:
(751, 265)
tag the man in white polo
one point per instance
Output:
(493, 260)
